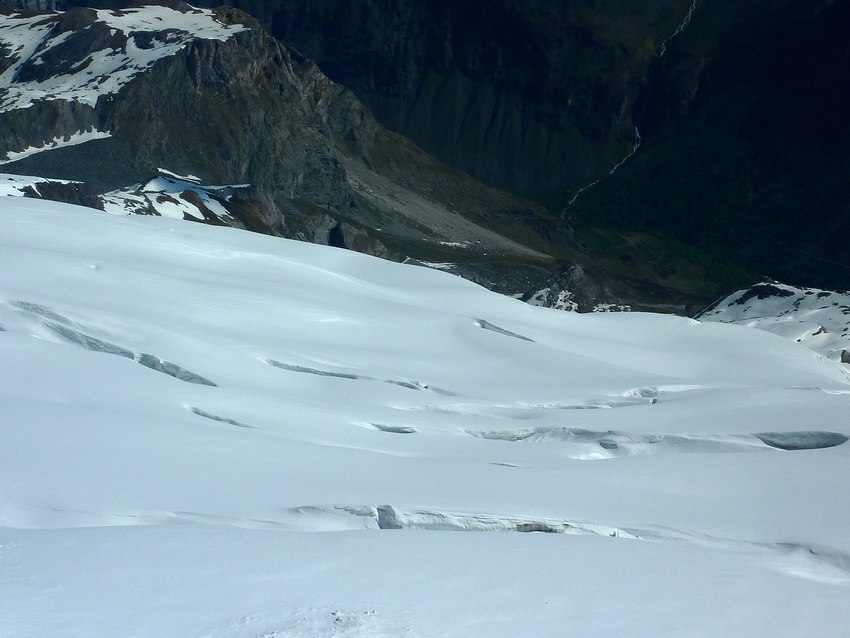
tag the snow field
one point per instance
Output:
(207, 432)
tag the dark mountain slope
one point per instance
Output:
(530, 96)
(746, 148)
(745, 164)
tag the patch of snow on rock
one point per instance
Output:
(817, 319)
(121, 44)
(168, 196)
(18, 185)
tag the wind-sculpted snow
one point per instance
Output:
(209, 432)
(101, 57)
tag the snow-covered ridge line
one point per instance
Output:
(79, 137)
(113, 47)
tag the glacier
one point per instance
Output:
(209, 432)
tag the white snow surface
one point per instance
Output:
(28, 39)
(818, 319)
(208, 432)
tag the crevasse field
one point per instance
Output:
(210, 433)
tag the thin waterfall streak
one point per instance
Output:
(631, 153)
(681, 27)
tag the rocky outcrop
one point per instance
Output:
(742, 170)
(575, 289)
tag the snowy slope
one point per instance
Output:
(208, 432)
(818, 319)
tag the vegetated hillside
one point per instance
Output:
(746, 149)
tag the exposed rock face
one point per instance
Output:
(574, 289)
(33, 5)
(745, 144)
